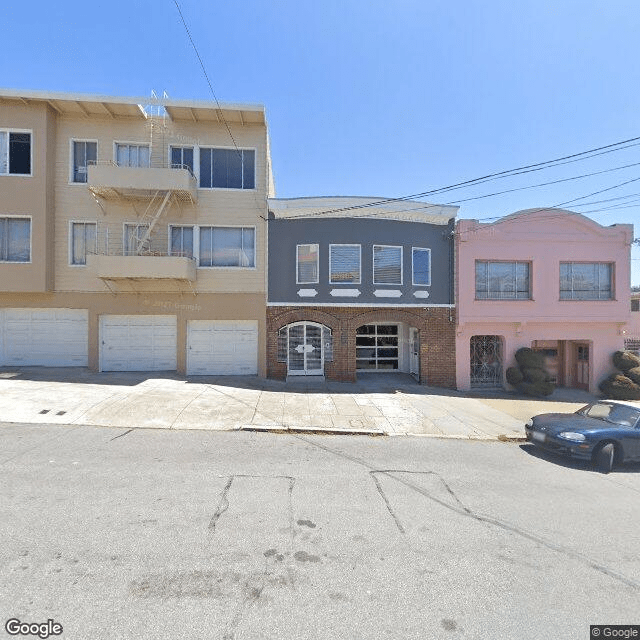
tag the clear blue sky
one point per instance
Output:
(373, 97)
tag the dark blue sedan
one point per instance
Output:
(606, 432)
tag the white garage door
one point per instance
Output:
(138, 343)
(222, 347)
(47, 337)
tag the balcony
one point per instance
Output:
(145, 267)
(112, 182)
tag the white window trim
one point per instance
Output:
(373, 264)
(70, 243)
(228, 226)
(196, 239)
(255, 173)
(125, 224)
(130, 142)
(30, 219)
(413, 282)
(196, 172)
(71, 141)
(359, 264)
(309, 244)
(19, 175)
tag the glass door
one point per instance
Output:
(414, 352)
(305, 357)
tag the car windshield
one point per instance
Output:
(610, 412)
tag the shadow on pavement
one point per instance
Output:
(573, 463)
(366, 383)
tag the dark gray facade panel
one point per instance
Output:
(286, 234)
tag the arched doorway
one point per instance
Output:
(305, 346)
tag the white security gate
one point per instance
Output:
(306, 353)
(414, 352)
(46, 337)
(138, 343)
(222, 347)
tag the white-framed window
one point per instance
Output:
(15, 152)
(83, 241)
(227, 168)
(503, 280)
(586, 281)
(181, 157)
(421, 266)
(344, 263)
(15, 239)
(133, 235)
(387, 264)
(227, 247)
(132, 154)
(307, 263)
(181, 240)
(83, 153)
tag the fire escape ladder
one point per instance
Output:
(150, 218)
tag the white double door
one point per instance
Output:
(305, 353)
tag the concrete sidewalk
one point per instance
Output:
(391, 404)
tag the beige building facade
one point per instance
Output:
(133, 235)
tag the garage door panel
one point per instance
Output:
(222, 347)
(138, 343)
(44, 337)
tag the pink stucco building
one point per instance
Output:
(552, 280)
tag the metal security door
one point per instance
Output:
(414, 352)
(486, 361)
(305, 350)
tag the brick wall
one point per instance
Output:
(436, 327)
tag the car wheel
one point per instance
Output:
(604, 457)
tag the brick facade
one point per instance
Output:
(436, 327)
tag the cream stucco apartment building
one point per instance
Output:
(133, 233)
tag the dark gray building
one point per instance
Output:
(360, 284)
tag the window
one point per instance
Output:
(227, 247)
(83, 241)
(182, 157)
(344, 263)
(133, 235)
(421, 266)
(307, 263)
(227, 168)
(585, 281)
(84, 154)
(15, 240)
(132, 155)
(387, 265)
(181, 241)
(15, 153)
(502, 280)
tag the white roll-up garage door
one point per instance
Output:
(138, 343)
(222, 347)
(45, 337)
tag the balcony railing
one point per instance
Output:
(113, 255)
(109, 180)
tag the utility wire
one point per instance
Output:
(206, 75)
(616, 146)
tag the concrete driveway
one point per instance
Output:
(391, 404)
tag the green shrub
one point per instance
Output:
(514, 376)
(535, 376)
(529, 358)
(634, 374)
(619, 387)
(625, 360)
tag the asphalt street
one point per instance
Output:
(152, 534)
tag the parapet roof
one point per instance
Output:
(89, 105)
(362, 207)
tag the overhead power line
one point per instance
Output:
(582, 155)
